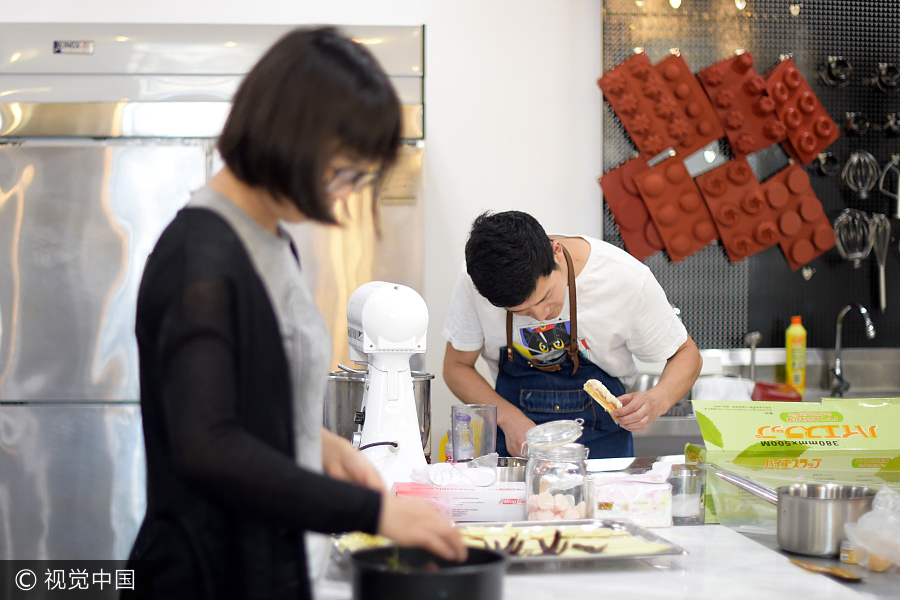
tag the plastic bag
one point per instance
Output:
(644, 498)
(722, 388)
(479, 472)
(876, 536)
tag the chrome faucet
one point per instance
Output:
(838, 384)
(752, 339)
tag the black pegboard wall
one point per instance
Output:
(721, 302)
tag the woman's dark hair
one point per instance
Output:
(506, 254)
(313, 94)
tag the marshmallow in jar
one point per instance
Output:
(556, 486)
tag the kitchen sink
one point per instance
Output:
(645, 381)
(871, 372)
(816, 395)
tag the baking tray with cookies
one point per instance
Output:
(576, 541)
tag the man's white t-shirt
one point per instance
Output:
(623, 313)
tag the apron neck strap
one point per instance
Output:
(509, 345)
(573, 309)
(572, 350)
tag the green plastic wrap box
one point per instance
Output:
(852, 441)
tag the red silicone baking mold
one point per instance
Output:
(806, 230)
(637, 229)
(647, 108)
(677, 208)
(809, 127)
(693, 101)
(738, 96)
(745, 221)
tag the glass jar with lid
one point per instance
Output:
(556, 484)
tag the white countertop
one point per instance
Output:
(720, 564)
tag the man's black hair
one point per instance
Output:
(313, 94)
(506, 254)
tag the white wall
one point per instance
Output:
(512, 110)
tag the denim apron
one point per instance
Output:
(556, 392)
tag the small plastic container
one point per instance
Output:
(847, 554)
(556, 483)
(464, 449)
(474, 431)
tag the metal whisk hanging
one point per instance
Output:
(861, 173)
(892, 166)
(853, 235)
(881, 236)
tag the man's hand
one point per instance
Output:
(341, 460)
(515, 425)
(639, 409)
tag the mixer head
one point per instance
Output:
(386, 317)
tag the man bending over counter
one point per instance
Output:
(515, 304)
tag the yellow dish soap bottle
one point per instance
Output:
(795, 345)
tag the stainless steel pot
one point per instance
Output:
(811, 516)
(344, 396)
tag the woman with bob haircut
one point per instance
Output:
(234, 354)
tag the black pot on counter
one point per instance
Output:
(392, 573)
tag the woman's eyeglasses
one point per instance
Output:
(350, 177)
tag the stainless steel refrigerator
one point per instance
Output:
(104, 132)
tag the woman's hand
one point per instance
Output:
(341, 460)
(407, 521)
(415, 522)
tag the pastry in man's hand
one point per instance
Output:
(603, 396)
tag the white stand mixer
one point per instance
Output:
(387, 323)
